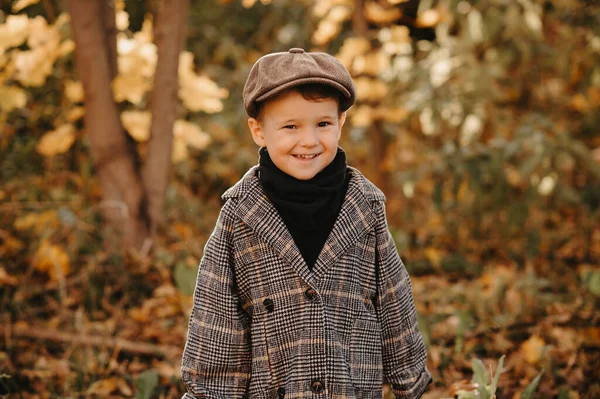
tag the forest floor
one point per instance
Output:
(79, 320)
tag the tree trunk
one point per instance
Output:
(113, 160)
(170, 37)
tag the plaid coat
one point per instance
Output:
(263, 325)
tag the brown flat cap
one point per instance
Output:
(276, 72)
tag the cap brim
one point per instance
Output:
(298, 82)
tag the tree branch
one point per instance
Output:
(142, 348)
(109, 24)
(113, 160)
(49, 10)
(170, 37)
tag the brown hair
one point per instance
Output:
(310, 92)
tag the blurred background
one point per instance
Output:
(121, 124)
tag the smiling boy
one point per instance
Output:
(300, 291)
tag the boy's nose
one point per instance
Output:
(310, 138)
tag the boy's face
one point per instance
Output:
(301, 136)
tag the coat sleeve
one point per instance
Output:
(217, 359)
(404, 354)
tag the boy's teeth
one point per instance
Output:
(306, 156)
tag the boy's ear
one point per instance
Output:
(341, 121)
(257, 133)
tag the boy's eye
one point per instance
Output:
(289, 127)
(324, 124)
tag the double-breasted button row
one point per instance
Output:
(310, 294)
(317, 386)
(269, 305)
(280, 392)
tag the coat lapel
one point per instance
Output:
(259, 213)
(356, 219)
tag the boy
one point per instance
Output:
(301, 292)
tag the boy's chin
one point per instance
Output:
(304, 176)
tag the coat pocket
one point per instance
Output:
(366, 362)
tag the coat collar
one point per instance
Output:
(356, 219)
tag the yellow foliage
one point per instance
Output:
(322, 7)
(137, 124)
(57, 141)
(122, 20)
(373, 63)
(37, 221)
(325, 32)
(533, 349)
(132, 88)
(35, 65)
(191, 134)
(52, 260)
(10, 246)
(187, 134)
(74, 91)
(21, 4)
(434, 256)
(75, 114)
(66, 47)
(368, 89)
(198, 93)
(6, 279)
(136, 61)
(180, 151)
(378, 14)
(14, 31)
(103, 388)
(250, 3)
(428, 18)
(12, 97)
(362, 116)
(353, 47)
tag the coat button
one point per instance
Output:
(268, 303)
(281, 392)
(310, 294)
(317, 386)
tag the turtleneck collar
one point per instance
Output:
(305, 204)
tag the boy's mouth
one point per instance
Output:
(305, 156)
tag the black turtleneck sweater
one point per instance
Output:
(308, 208)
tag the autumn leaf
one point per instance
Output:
(11, 98)
(368, 89)
(35, 65)
(57, 141)
(533, 349)
(198, 93)
(6, 279)
(107, 386)
(191, 134)
(137, 124)
(51, 259)
(14, 31)
(10, 246)
(122, 20)
(75, 114)
(379, 14)
(186, 135)
(38, 221)
(74, 91)
(428, 18)
(21, 4)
